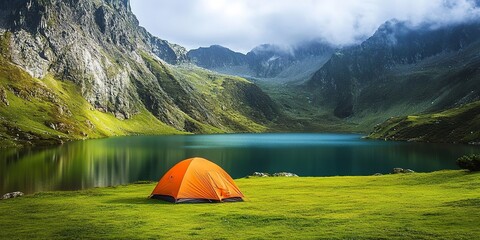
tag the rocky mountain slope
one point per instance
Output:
(401, 70)
(75, 69)
(267, 61)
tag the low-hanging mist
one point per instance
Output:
(243, 24)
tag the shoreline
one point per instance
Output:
(271, 176)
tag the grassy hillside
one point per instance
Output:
(48, 111)
(239, 104)
(439, 205)
(301, 114)
(458, 125)
(211, 102)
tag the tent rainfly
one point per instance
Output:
(197, 180)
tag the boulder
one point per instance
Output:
(260, 174)
(397, 170)
(377, 174)
(12, 195)
(284, 174)
(3, 97)
(280, 174)
(401, 170)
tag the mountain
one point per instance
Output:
(217, 56)
(458, 125)
(77, 69)
(401, 70)
(266, 61)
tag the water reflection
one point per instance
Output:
(114, 161)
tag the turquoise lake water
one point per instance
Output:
(122, 160)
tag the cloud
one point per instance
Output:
(244, 24)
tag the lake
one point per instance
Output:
(122, 160)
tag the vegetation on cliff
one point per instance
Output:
(458, 125)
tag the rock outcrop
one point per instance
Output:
(96, 44)
(284, 174)
(401, 170)
(12, 195)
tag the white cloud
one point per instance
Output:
(243, 24)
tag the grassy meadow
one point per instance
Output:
(439, 205)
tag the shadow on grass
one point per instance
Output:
(149, 201)
(469, 202)
(137, 200)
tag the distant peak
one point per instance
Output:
(218, 46)
(391, 25)
(215, 47)
(267, 48)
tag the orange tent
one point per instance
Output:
(197, 180)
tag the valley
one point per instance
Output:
(400, 70)
(109, 76)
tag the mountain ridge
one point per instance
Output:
(402, 69)
(266, 61)
(399, 64)
(96, 50)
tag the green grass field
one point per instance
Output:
(439, 205)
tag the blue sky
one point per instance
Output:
(244, 24)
